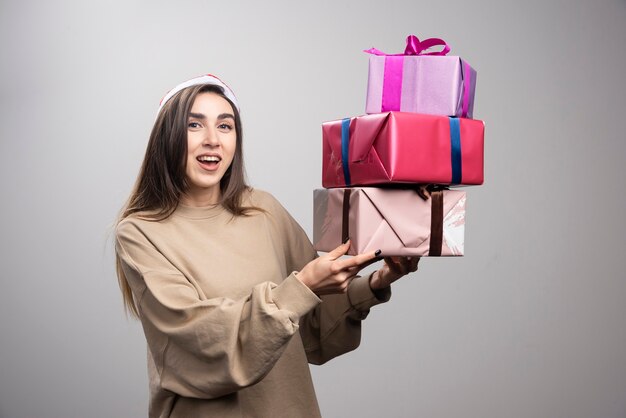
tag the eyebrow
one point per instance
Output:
(219, 117)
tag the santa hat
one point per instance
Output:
(203, 79)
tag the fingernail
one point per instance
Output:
(377, 253)
(346, 240)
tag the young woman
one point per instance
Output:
(233, 299)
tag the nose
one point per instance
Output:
(211, 138)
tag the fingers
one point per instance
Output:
(367, 263)
(402, 265)
(393, 265)
(339, 251)
(356, 261)
(414, 262)
(339, 272)
(399, 265)
(411, 264)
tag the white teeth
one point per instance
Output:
(209, 158)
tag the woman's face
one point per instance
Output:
(211, 143)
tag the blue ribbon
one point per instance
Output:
(455, 146)
(345, 141)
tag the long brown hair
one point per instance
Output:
(162, 182)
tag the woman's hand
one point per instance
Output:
(392, 270)
(329, 274)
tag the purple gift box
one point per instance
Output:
(420, 82)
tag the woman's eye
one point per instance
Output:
(193, 125)
(225, 126)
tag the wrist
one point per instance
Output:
(380, 292)
(302, 277)
(375, 283)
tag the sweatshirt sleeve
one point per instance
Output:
(333, 327)
(212, 347)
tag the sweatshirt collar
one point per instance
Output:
(193, 212)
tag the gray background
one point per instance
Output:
(531, 323)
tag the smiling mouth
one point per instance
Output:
(209, 162)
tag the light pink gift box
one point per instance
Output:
(396, 221)
(420, 82)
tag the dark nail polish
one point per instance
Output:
(346, 240)
(377, 253)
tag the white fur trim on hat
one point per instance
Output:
(203, 79)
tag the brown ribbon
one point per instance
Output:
(345, 221)
(436, 223)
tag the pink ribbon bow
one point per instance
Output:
(416, 47)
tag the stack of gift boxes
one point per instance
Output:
(387, 174)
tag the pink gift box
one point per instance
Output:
(432, 84)
(397, 221)
(400, 147)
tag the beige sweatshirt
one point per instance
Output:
(221, 309)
